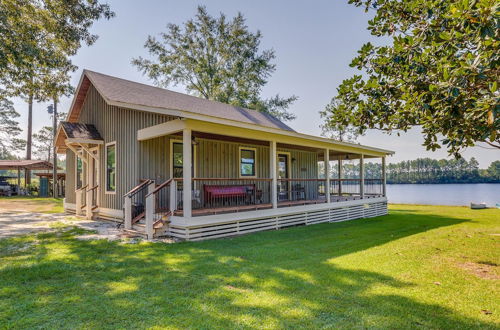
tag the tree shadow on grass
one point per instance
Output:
(277, 279)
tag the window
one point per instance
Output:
(177, 159)
(111, 167)
(176, 150)
(79, 172)
(247, 162)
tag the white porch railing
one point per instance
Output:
(80, 195)
(135, 203)
(227, 195)
(158, 205)
(91, 201)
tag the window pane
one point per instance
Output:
(247, 162)
(110, 168)
(247, 156)
(177, 154)
(247, 170)
(79, 172)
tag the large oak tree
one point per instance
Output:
(37, 39)
(439, 71)
(217, 59)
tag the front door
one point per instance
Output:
(283, 176)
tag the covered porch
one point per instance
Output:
(218, 172)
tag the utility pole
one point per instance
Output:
(53, 110)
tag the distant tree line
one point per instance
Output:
(427, 170)
(422, 170)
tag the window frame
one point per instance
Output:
(171, 157)
(106, 191)
(76, 171)
(254, 162)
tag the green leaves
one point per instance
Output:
(441, 72)
(9, 128)
(215, 58)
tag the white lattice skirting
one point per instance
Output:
(202, 229)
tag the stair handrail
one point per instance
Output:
(138, 187)
(93, 188)
(161, 186)
(82, 188)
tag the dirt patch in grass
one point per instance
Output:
(48, 205)
(482, 269)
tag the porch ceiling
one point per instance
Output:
(284, 138)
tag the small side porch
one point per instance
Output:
(242, 175)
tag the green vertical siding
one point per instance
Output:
(121, 125)
(154, 159)
(220, 159)
(300, 160)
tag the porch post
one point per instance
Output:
(173, 196)
(186, 172)
(97, 163)
(327, 174)
(128, 212)
(362, 176)
(18, 181)
(150, 210)
(272, 171)
(88, 192)
(79, 202)
(384, 178)
(340, 175)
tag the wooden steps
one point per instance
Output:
(139, 217)
(160, 227)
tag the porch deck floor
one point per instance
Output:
(255, 207)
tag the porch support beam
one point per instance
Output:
(86, 141)
(78, 153)
(384, 178)
(362, 176)
(89, 152)
(168, 128)
(173, 196)
(327, 174)
(150, 211)
(273, 173)
(340, 175)
(186, 172)
(286, 137)
(18, 181)
(128, 212)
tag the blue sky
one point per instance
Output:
(314, 42)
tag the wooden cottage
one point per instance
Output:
(170, 164)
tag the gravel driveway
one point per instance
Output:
(14, 223)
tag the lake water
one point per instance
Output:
(444, 194)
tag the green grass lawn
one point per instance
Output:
(419, 267)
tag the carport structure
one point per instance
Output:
(25, 165)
